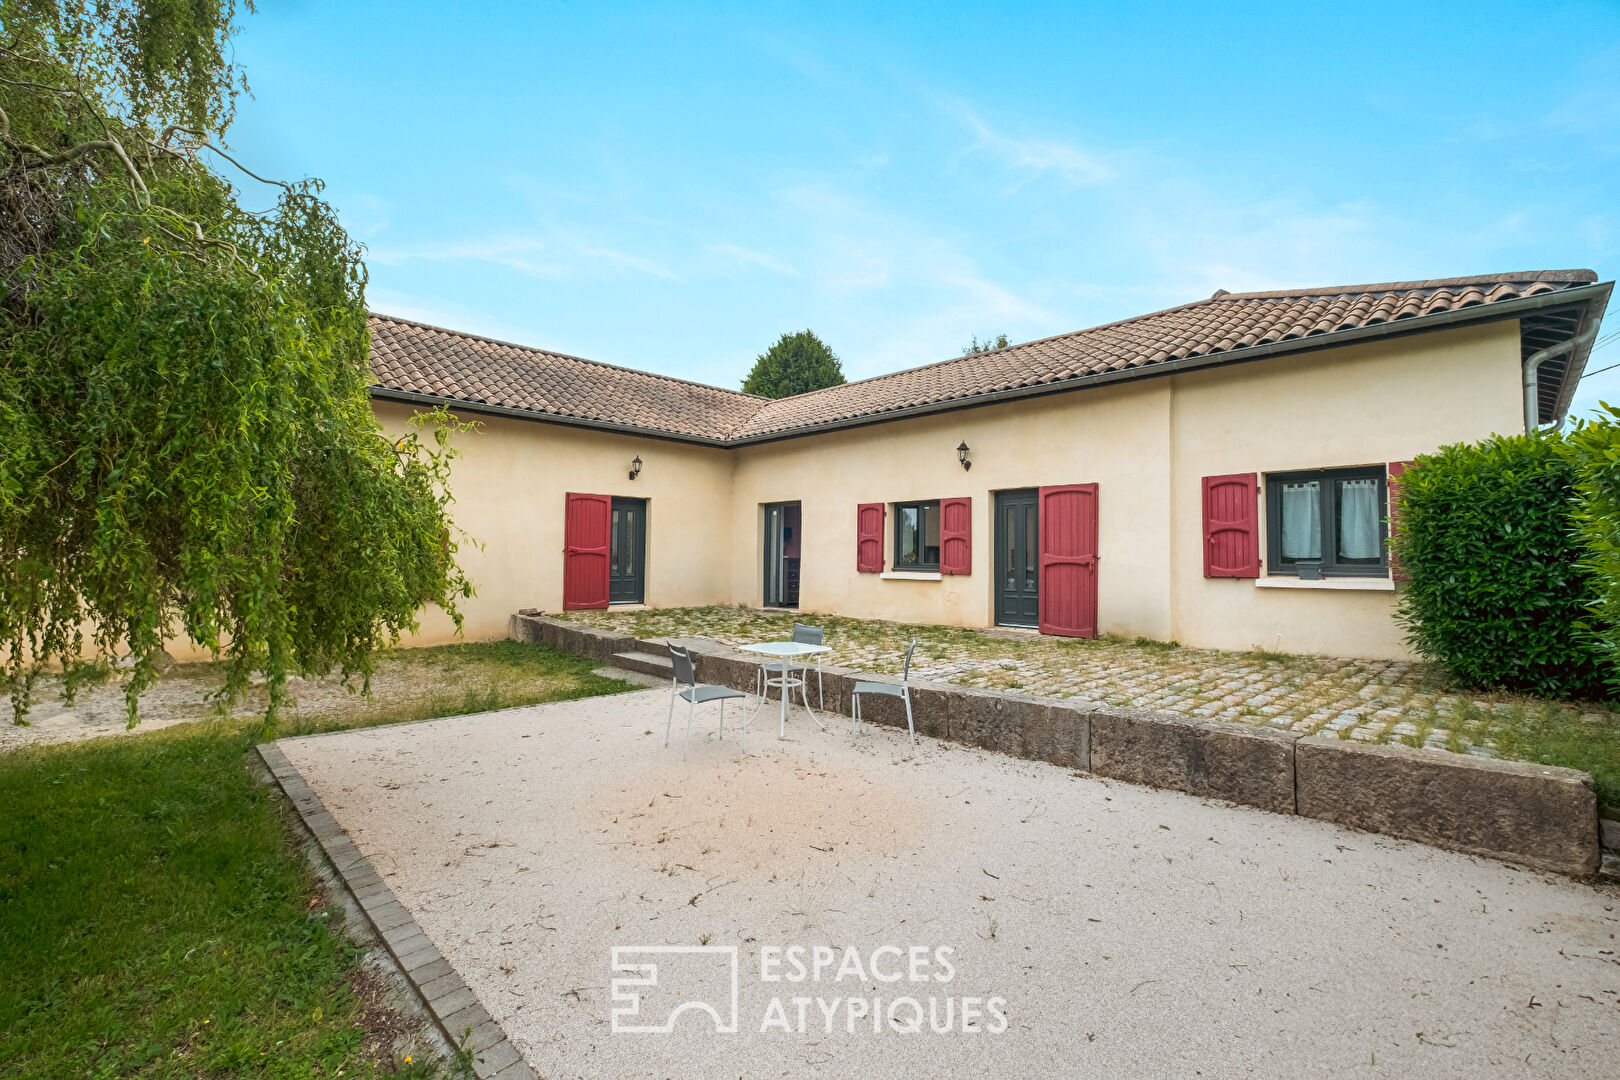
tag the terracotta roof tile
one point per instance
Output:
(427, 360)
(1219, 324)
(421, 359)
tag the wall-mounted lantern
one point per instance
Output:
(962, 455)
(635, 467)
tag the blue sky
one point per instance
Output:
(672, 187)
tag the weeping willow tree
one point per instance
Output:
(186, 443)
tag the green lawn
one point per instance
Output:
(157, 919)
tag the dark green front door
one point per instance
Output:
(627, 558)
(1018, 598)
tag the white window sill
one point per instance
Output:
(912, 575)
(1343, 584)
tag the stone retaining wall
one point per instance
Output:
(1536, 815)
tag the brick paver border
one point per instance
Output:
(447, 999)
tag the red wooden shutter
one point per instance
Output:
(869, 538)
(956, 536)
(586, 520)
(1232, 526)
(1068, 569)
(1393, 489)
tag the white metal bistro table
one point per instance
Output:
(785, 651)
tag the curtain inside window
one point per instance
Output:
(908, 536)
(1301, 521)
(1358, 519)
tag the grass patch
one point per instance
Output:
(1553, 736)
(157, 921)
(453, 680)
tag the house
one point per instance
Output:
(1217, 473)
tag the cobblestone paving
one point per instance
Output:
(1378, 701)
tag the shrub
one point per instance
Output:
(1497, 590)
(1596, 449)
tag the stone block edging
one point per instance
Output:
(1513, 810)
(451, 1003)
(1538, 816)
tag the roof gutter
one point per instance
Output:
(1505, 309)
(1532, 397)
(1575, 370)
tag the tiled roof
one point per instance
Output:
(440, 363)
(419, 359)
(1223, 323)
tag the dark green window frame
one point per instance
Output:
(627, 551)
(923, 557)
(1331, 563)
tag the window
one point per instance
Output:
(1327, 522)
(916, 535)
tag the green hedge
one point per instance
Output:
(1596, 449)
(1499, 586)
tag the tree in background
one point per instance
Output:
(987, 345)
(796, 364)
(189, 445)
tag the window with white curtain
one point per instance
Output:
(1328, 522)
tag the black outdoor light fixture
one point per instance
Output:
(962, 455)
(635, 466)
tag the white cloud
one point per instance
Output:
(910, 294)
(1035, 156)
(365, 215)
(510, 252)
(755, 258)
(1195, 241)
(451, 315)
(621, 260)
(515, 253)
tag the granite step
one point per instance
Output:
(646, 663)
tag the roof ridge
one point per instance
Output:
(566, 356)
(1565, 276)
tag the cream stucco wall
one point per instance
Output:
(1359, 405)
(1113, 436)
(509, 484)
(1146, 445)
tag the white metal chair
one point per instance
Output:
(902, 690)
(803, 635)
(694, 694)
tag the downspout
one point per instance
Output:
(1532, 407)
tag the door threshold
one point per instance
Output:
(1011, 631)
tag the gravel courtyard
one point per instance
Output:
(1129, 932)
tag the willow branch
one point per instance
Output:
(62, 157)
(161, 144)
